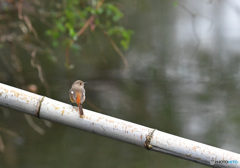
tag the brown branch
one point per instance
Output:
(116, 48)
(26, 19)
(19, 7)
(88, 22)
(30, 27)
(40, 72)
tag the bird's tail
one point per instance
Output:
(80, 110)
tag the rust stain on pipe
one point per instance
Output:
(38, 108)
(147, 143)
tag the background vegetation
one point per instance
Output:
(173, 66)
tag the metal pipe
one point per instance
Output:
(118, 129)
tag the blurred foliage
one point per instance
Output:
(23, 25)
(33, 28)
(70, 16)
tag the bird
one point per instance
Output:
(77, 95)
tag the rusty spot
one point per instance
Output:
(56, 107)
(147, 143)
(6, 91)
(99, 118)
(16, 94)
(195, 147)
(111, 121)
(39, 107)
(141, 137)
(129, 125)
(63, 112)
(133, 129)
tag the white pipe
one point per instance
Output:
(118, 129)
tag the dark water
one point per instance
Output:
(183, 78)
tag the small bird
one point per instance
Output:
(77, 94)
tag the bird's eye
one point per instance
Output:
(80, 83)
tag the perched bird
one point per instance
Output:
(77, 94)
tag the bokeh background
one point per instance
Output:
(169, 65)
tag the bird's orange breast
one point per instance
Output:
(78, 98)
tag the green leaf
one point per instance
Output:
(61, 27)
(72, 33)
